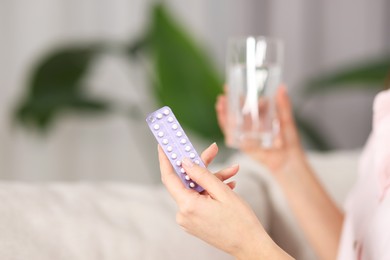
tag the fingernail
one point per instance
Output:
(188, 163)
(234, 166)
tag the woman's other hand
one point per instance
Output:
(319, 217)
(287, 153)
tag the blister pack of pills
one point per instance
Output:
(175, 143)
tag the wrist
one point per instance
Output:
(261, 248)
(299, 167)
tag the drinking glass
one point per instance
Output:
(253, 71)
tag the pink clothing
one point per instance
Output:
(366, 231)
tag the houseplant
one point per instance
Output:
(183, 77)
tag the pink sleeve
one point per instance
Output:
(381, 132)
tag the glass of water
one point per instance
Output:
(253, 71)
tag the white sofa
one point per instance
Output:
(103, 220)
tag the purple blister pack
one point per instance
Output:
(175, 143)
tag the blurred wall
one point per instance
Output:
(319, 35)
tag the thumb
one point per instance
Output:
(284, 108)
(203, 177)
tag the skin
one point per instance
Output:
(241, 233)
(218, 215)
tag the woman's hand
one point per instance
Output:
(318, 215)
(287, 153)
(218, 216)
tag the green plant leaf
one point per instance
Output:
(366, 74)
(185, 79)
(55, 87)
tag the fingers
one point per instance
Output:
(168, 176)
(174, 184)
(231, 185)
(221, 109)
(287, 125)
(214, 186)
(209, 154)
(227, 173)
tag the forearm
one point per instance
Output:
(319, 217)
